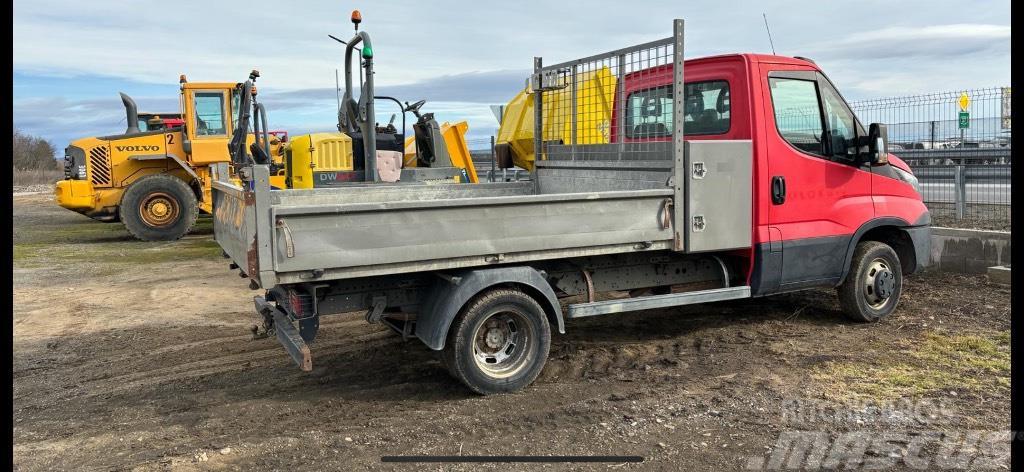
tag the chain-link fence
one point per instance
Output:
(958, 145)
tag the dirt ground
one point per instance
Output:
(137, 356)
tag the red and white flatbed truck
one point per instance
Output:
(715, 178)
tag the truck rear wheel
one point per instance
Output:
(159, 208)
(872, 288)
(499, 342)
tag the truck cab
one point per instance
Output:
(814, 193)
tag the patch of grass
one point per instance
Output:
(108, 243)
(972, 362)
(83, 231)
(86, 232)
(131, 252)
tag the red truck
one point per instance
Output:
(815, 196)
(660, 182)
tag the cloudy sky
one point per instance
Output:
(72, 57)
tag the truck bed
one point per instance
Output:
(593, 191)
(379, 229)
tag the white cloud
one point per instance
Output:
(931, 33)
(461, 56)
(952, 43)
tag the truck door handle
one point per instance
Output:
(778, 190)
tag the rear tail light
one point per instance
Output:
(300, 304)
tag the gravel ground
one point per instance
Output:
(41, 188)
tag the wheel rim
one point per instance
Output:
(159, 209)
(501, 344)
(879, 284)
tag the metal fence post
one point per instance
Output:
(620, 114)
(538, 120)
(494, 159)
(575, 114)
(679, 174)
(959, 191)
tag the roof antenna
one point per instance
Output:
(769, 32)
(337, 88)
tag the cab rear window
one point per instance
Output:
(707, 110)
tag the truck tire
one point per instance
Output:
(873, 286)
(499, 342)
(159, 207)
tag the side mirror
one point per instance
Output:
(878, 144)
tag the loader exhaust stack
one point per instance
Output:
(131, 112)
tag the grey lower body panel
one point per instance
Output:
(922, 238)
(605, 307)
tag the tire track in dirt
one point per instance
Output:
(230, 363)
(114, 385)
(576, 359)
(212, 365)
(172, 348)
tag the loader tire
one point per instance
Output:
(159, 207)
(873, 286)
(499, 342)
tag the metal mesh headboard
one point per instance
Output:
(618, 105)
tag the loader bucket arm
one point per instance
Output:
(236, 147)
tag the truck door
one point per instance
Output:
(819, 194)
(208, 125)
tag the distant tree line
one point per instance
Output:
(33, 153)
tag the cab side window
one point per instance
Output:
(797, 113)
(649, 111)
(210, 119)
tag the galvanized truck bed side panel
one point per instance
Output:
(233, 222)
(390, 233)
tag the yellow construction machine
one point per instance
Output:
(595, 98)
(454, 135)
(364, 150)
(156, 181)
(155, 177)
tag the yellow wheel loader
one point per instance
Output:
(155, 181)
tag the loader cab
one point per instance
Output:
(209, 109)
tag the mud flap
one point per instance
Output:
(287, 335)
